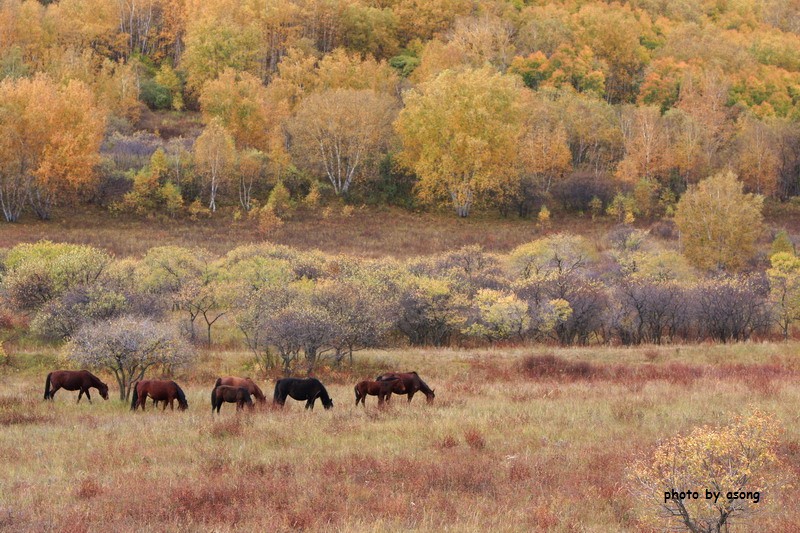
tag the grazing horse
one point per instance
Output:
(308, 389)
(227, 393)
(412, 383)
(81, 380)
(159, 390)
(247, 383)
(382, 389)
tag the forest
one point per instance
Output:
(174, 108)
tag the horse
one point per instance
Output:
(159, 390)
(382, 389)
(226, 393)
(412, 383)
(308, 389)
(247, 383)
(81, 380)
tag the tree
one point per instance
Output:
(559, 254)
(242, 105)
(41, 272)
(719, 224)
(784, 292)
(460, 133)
(338, 132)
(49, 142)
(737, 463)
(214, 155)
(500, 316)
(127, 347)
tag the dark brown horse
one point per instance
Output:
(225, 393)
(81, 380)
(160, 390)
(412, 383)
(382, 389)
(247, 383)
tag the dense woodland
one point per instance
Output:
(177, 107)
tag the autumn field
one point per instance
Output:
(510, 444)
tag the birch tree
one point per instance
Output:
(338, 132)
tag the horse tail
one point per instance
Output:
(218, 383)
(47, 387)
(358, 396)
(135, 399)
(213, 399)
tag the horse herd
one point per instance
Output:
(240, 390)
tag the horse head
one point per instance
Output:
(103, 388)
(327, 404)
(430, 395)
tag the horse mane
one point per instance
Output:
(323, 392)
(181, 396)
(422, 385)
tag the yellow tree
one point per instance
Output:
(543, 151)
(719, 224)
(645, 137)
(214, 155)
(784, 289)
(759, 158)
(460, 134)
(49, 142)
(240, 102)
(712, 476)
(337, 132)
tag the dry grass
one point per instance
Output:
(500, 449)
(369, 232)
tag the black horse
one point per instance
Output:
(308, 389)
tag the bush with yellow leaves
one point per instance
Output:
(706, 480)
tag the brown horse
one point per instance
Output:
(247, 383)
(382, 389)
(81, 380)
(412, 383)
(160, 390)
(225, 393)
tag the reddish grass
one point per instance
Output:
(761, 378)
(474, 439)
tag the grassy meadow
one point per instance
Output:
(513, 442)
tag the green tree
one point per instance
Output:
(719, 224)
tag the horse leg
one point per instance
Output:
(411, 395)
(79, 396)
(88, 396)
